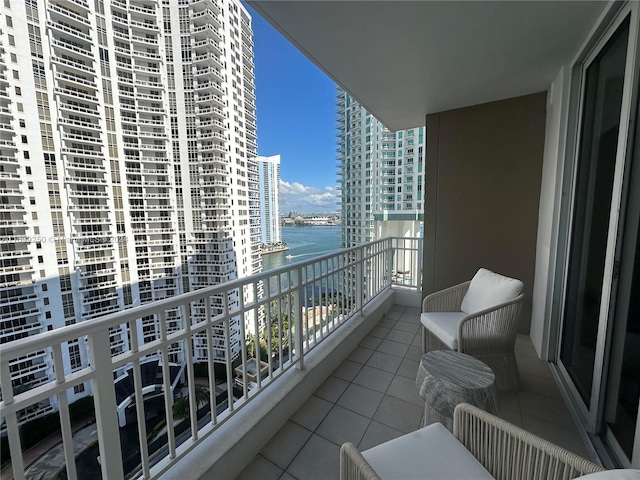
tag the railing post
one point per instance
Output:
(297, 315)
(11, 420)
(359, 278)
(104, 398)
(389, 269)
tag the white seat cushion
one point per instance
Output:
(443, 325)
(619, 474)
(430, 452)
(488, 289)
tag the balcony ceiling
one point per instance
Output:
(403, 60)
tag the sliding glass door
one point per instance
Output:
(599, 348)
(622, 388)
(596, 166)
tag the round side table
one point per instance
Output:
(446, 378)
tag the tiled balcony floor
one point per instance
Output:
(372, 398)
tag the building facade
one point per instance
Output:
(381, 174)
(127, 167)
(269, 168)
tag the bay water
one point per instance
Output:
(304, 244)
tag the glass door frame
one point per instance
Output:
(616, 330)
(591, 417)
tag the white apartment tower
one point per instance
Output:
(127, 164)
(269, 168)
(381, 176)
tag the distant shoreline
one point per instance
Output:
(274, 250)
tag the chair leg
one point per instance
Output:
(424, 340)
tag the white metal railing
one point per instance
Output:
(290, 310)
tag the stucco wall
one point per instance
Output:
(483, 177)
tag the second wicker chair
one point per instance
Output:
(479, 318)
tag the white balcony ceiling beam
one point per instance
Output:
(403, 60)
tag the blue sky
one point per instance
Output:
(296, 111)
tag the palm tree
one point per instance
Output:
(181, 406)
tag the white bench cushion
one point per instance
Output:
(431, 452)
(619, 474)
(443, 325)
(488, 289)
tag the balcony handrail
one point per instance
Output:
(297, 289)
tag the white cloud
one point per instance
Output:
(295, 188)
(304, 199)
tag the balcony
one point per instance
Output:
(357, 386)
(372, 398)
(321, 296)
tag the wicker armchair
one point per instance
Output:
(504, 450)
(488, 334)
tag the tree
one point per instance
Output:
(281, 336)
(181, 406)
(251, 348)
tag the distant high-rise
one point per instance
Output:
(127, 166)
(269, 168)
(381, 176)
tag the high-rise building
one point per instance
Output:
(127, 166)
(269, 168)
(381, 176)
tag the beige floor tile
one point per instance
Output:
(379, 332)
(360, 355)
(384, 361)
(370, 342)
(523, 349)
(393, 348)
(342, 425)
(395, 313)
(405, 389)
(562, 436)
(545, 408)
(539, 385)
(512, 416)
(286, 444)
(374, 379)
(376, 434)
(412, 311)
(408, 368)
(534, 366)
(319, 459)
(332, 389)
(404, 326)
(400, 336)
(398, 414)
(414, 353)
(311, 414)
(361, 400)
(347, 370)
(509, 400)
(260, 468)
(387, 322)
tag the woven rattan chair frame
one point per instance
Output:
(488, 335)
(507, 452)
(510, 452)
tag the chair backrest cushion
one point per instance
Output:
(488, 289)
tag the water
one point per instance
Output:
(304, 244)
